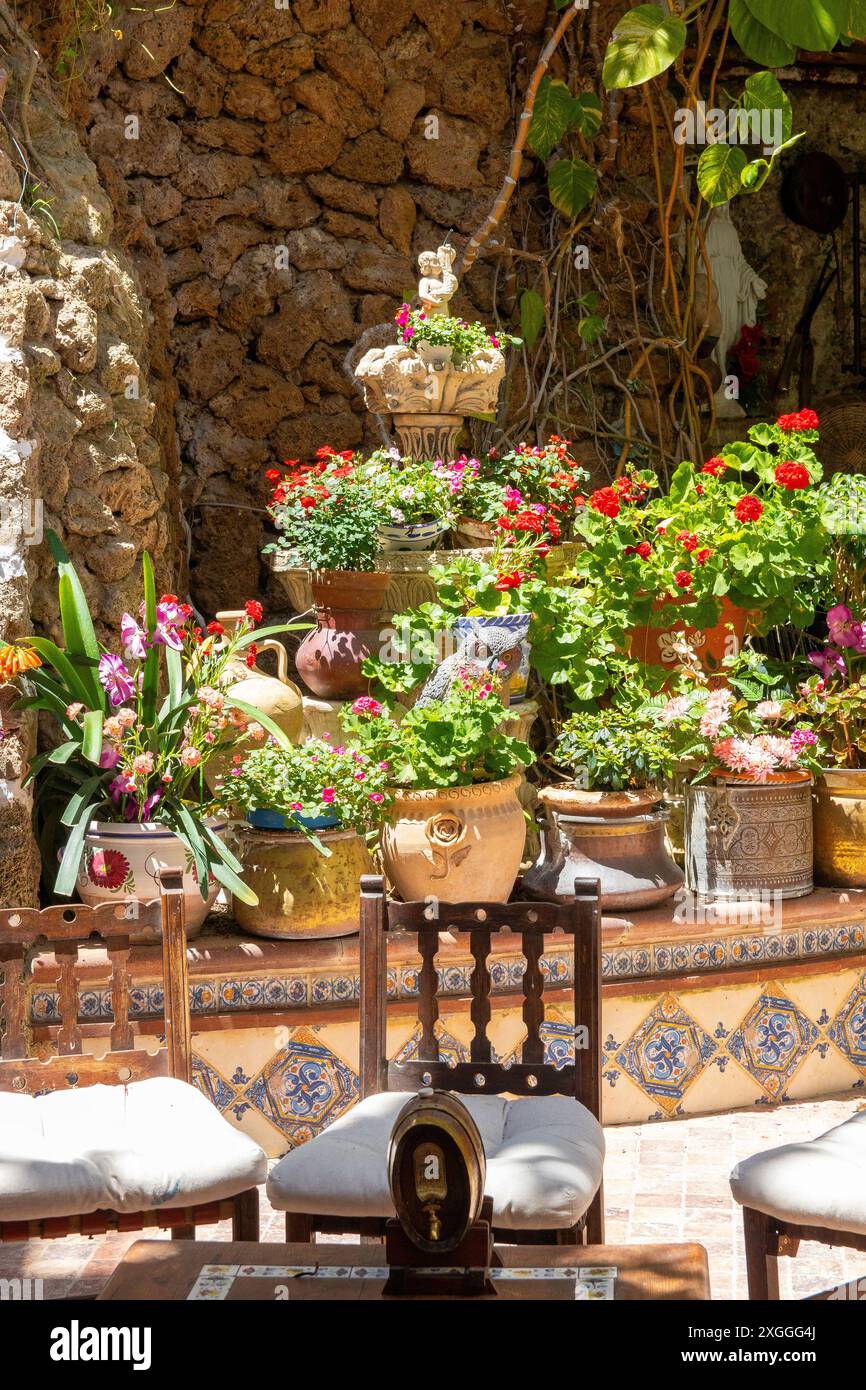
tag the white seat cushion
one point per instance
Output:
(154, 1143)
(821, 1182)
(544, 1161)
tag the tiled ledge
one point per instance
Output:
(231, 974)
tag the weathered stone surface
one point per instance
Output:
(228, 240)
(402, 102)
(202, 82)
(334, 425)
(451, 161)
(251, 288)
(344, 194)
(252, 98)
(222, 44)
(209, 358)
(316, 309)
(111, 560)
(213, 175)
(443, 22)
(318, 16)
(334, 103)
(343, 225)
(474, 82)
(198, 299)
(369, 268)
(312, 249)
(285, 205)
(377, 308)
(75, 335)
(153, 38)
(302, 144)
(381, 20)
(283, 62)
(353, 62)
(397, 214)
(222, 133)
(258, 402)
(372, 158)
(159, 200)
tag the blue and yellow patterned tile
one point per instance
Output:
(772, 1041)
(228, 1060)
(666, 1053)
(848, 1027)
(303, 1088)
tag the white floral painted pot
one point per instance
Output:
(121, 862)
(416, 535)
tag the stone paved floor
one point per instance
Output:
(665, 1181)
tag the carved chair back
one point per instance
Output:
(480, 923)
(63, 930)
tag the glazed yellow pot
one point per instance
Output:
(839, 826)
(460, 844)
(301, 893)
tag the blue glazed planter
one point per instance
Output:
(264, 819)
(417, 535)
(512, 622)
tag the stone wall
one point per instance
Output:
(81, 450)
(277, 170)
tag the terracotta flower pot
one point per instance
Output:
(750, 839)
(657, 646)
(839, 823)
(121, 861)
(348, 605)
(469, 533)
(616, 837)
(302, 895)
(459, 843)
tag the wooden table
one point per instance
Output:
(162, 1270)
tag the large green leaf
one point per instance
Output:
(763, 92)
(757, 41)
(74, 680)
(79, 637)
(644, 43)
(91, 742)
(719, 170)
(571, 185)
(586, 114)
(551, 116)
(261, 718)
(75, 805)
(804, 23)
(257, 634)
(229, 879)
(850, 15)
(189, 831)
(531, 317)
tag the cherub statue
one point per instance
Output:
(438, 283)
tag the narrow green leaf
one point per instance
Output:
(571, 185)
(76, 803)
(91, 742)
(150, 672)
(71, 857)
(219, 845)
(74, 680)
(261, 718)
(644, 43)
(190, 832)
(531, 317)
(258, 634)
(229, 879)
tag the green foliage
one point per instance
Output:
(531, 317)
(606, 750)
(439, 330)
(809, 24)
(453, 742)
(327, 518)
(644, 43)
(757, 41)
(571, 185)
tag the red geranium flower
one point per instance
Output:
(799, 420)
(509, 581)
(748, 509)
(251, 655)
(792, 476)
(683, 579)
(715, 467)
(324, 452)
(273, 475)
(279, 494)
(253, 609)
(215, 629)
(688, 540)
(606, 501)
(703, 555)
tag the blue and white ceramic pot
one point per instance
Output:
(416, 535)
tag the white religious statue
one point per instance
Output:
(438, 283)
(738, 288)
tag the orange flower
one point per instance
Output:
(14, 660)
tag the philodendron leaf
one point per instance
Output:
(644, 43)
(850, 15)
(763, 92)
(758, 42)
(807, 24)
(531, 317)
(551, 116)
(586, 114)
(571, 185)
(719, 171)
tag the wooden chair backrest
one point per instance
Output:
(25, 932)
(481, 1075)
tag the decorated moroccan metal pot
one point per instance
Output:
(748, 839)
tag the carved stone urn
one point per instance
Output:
(427, 393)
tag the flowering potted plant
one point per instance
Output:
(515, 482)
(741, 535)
(833, 699)
(302, 850)
(328, 521)
(606, 821)
(441, 339)
(131, 761)
(416, 504)
(748, 804)
(454, 828)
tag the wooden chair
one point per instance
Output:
(815, 1190)
(544, 1150)
(149, 1149)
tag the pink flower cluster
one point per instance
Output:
(845, 634)
(757, 757)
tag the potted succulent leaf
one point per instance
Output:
(329, 523)
(833, 700)
(302, 852)
(454, 828)
(748, 813)
(126, 782)
(607, 821)
(742, 537)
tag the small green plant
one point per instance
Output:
(439, 330)
(407, 491)
(605, 750)
(326, 517)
